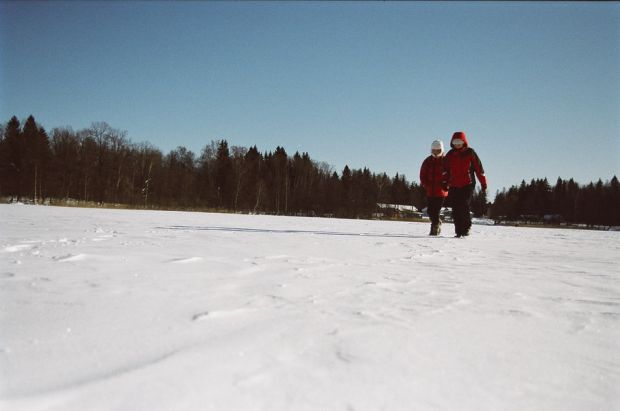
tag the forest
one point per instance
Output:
(101, 165)
(565, 202)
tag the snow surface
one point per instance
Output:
(144, 310)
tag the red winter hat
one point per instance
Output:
(461, 136)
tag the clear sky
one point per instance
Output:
(535, 85)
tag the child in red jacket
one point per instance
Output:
(432, 179)
(460, 165)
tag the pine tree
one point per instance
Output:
(418, 196)
(223, 175)
(12, 160)
(252, 185)
(281, 180)
(36, 146)
(479, 203)
(239, 174)
(613, 202)
(345, 193)
(206, 186)
(399, 192)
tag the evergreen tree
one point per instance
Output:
(300, 175)
(384, 188)
(479, 203)
(369, 194)
(239, 175)
(346, 194)
(612, 202)
(570, 206)
(206, 185)
(281, 180)
(418, 196)
(12, 160)
(597, 204)
(333, 197)
(36, 157)
(223, 175)
(252, 185)
(30, 133)
(399, 190)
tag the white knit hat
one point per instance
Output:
(437, 144)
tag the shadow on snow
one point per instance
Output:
(281, 231)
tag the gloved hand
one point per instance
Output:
(484, 188)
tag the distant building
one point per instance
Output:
(402, 210)
(553, 218)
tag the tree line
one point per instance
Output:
(101, 164)
(566, 202)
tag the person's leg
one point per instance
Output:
(433, 213)
(457, 209)
(467, 193)
(438, 206)
(440, 201)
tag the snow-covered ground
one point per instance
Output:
(143, 310)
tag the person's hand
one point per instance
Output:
(484, 188)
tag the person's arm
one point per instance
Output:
(479, 170)
(423, 174)
(445, 183)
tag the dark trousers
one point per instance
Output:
(460, 198)
(434, 208)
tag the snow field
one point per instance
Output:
(144, 310)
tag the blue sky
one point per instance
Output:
(536, 86)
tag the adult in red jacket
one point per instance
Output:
(432, 179)
(460, 165)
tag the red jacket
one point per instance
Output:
(432, 176)
(461, 165)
